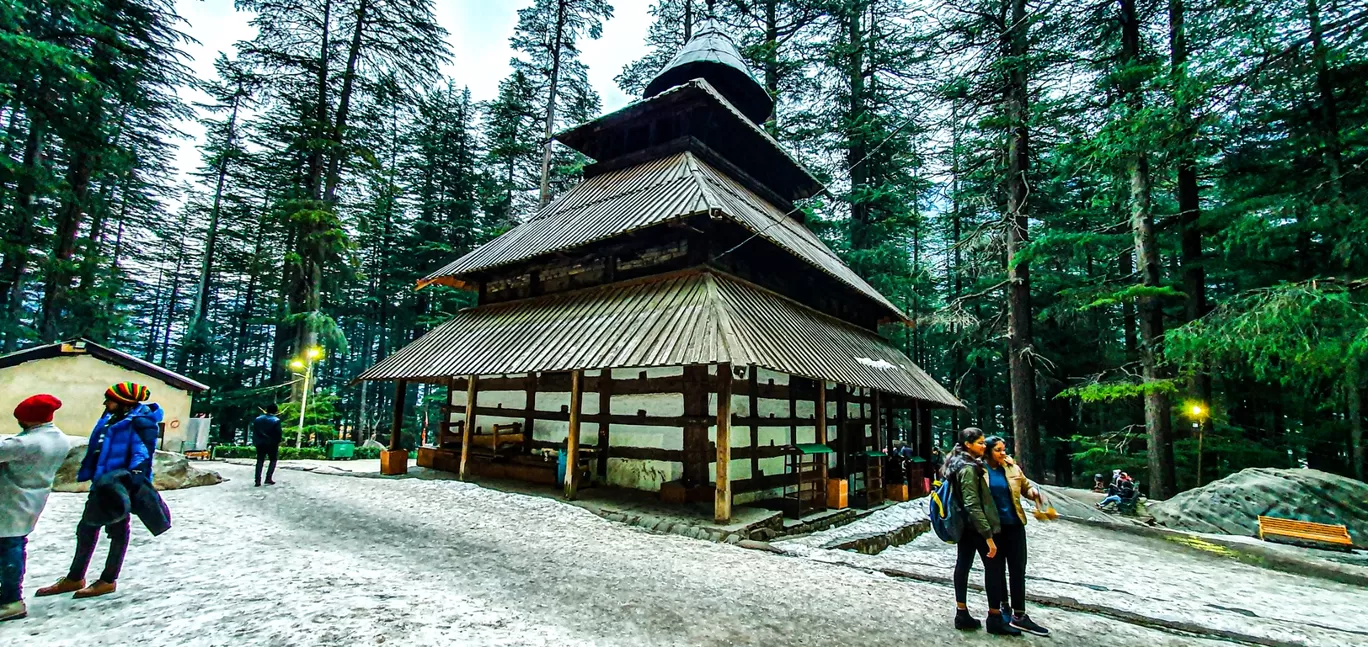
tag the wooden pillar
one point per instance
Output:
(924, 424)
(469, 429)
(572, 440)
(695, 442)
(397, 426)
(877, 410)
(723, 502)
(754, 385)
(843, 435)
(605, 392)
(822, 425)
(394, 461)
(531, 419)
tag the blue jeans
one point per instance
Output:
(12, 555)
(1109, 499)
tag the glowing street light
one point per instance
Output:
(1197, 411)
(313, 354)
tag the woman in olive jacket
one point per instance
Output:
(968, 473)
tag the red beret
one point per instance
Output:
(37, 408)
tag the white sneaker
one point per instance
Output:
(13, 611)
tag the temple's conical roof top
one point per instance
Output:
(711, 55)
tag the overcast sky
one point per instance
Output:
(479, 31)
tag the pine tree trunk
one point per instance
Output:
(175, 292)
(1189, 205)
(69, 219)
(15, 267)
(200, 307)
(1329, 118)
(1158, 425)
(860, 235)
(556, 44)
(344, 106)
(1354, 396)
(1020, 338)
(771, 68)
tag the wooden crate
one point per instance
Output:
(1305, 533)
(393, 463)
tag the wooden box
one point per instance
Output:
(837, 494)
(393, 463)
(897, 492)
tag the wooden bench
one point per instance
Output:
(197, 454)
(1305, 533)
(500, 438)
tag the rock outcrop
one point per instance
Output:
(170, 471)
(1233, 504)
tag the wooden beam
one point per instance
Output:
(573, 438)
(471, 410)
(397, 426)
(723, 502)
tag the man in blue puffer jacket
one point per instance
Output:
(125, 438)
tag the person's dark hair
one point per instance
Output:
(959, 457)
(990, 442)
(271, 409)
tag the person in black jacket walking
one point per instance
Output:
(266, 435)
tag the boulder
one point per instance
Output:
(170, 471)
(371, 442)
(1232, 505)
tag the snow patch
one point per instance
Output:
(881, 364)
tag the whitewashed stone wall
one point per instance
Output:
(649, 475)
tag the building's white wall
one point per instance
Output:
(642, 475)
(79, 381)
(649, 474)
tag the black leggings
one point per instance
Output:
(1011, 544)
(970, 544)
(86, 537)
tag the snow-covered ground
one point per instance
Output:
(335, 560)
(1147, 576)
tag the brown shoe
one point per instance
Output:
(63, 585)
(100, 587)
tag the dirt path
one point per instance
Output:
(326, 560)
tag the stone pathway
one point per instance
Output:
(327, 560)
(1156, 578)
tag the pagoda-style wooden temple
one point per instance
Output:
(670, 324)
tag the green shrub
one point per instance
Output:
(366, 453)
(234, 451)
(286, 453)
(303, 453)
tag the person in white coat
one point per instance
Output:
(28, 464)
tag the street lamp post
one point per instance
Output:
(312, 355)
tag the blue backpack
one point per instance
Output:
(947, 512)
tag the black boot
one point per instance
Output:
(1000, 626)
(966, 622)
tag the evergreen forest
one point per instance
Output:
(1130, 234)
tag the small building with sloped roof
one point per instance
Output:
(78, 372)
(671, 316)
